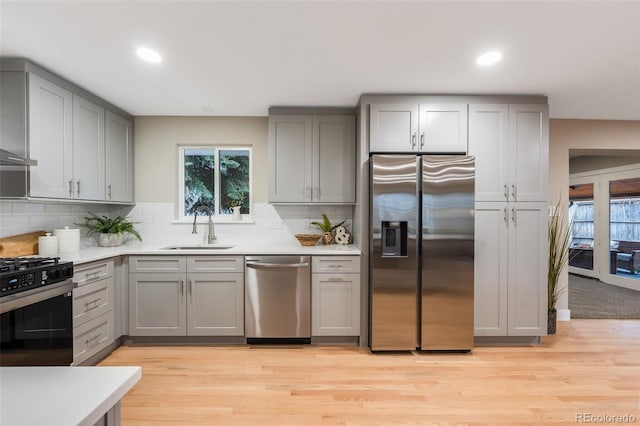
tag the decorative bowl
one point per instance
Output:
(308, 239)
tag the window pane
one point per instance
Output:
(624, 226)
(234, 180)
(581, 214)
(199, 167)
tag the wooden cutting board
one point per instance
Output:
(20, 245)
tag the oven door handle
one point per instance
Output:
(36, 295)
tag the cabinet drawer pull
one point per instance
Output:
(94, 338)
(335, 279)
(91, 302)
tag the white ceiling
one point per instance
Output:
(241, 57)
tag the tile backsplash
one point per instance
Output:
(157, 225)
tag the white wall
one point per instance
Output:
(583, 135)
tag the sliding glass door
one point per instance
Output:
(604, 210)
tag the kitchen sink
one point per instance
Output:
(200, 247)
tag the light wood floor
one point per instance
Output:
(591, 367)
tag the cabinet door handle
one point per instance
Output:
(182, 287)
(422, 140)
(413, 140)
(513, 190)
(506, 192)
(513, 215)
(109, 191)
(70, 187)
(189, 287)
(78, 187)
(505, 214)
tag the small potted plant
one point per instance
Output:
(112, 231)
(327, 228)
(235, 201)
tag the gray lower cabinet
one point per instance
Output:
(186, 296)
(335, 296)
(93, 309)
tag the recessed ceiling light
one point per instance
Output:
(489, 58)
(148, 55)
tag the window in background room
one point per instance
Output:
(624, 226)
(581, 216)
(217, 177)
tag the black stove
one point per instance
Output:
(18, 274)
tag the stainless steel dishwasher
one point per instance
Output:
(277, 306)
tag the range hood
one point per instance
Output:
(8, 158)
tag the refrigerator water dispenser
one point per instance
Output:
(394, 239)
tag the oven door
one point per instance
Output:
(36, 327)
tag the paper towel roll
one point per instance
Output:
(68, 241)
(48, 245)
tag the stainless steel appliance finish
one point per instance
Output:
(36, 311)
(421, 276)
(277, 297)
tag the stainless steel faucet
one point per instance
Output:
(211, 236)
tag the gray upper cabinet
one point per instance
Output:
(83, 144)
(393, 127)
(88, 150)
(119, 158)
(50, 110)
(312, 159)
(511, 146)
(418, 127)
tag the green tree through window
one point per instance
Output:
(219, 188)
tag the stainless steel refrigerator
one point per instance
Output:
(421, 252)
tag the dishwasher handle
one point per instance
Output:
(264, 265)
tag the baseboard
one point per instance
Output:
(563, 315)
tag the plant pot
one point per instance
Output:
(110, 240)
(236, 213)
(551, 321)
(327, 238)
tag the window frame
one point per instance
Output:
(217, 216)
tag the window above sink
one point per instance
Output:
(218, 177)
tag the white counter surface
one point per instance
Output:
(89, 254)
(66, 396)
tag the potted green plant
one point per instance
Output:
(235, 200)
(559, 230)
(327, 228)
(112, 231)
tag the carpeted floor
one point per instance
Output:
(590, 298)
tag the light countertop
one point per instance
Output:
(61, 395)
(89, 254)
